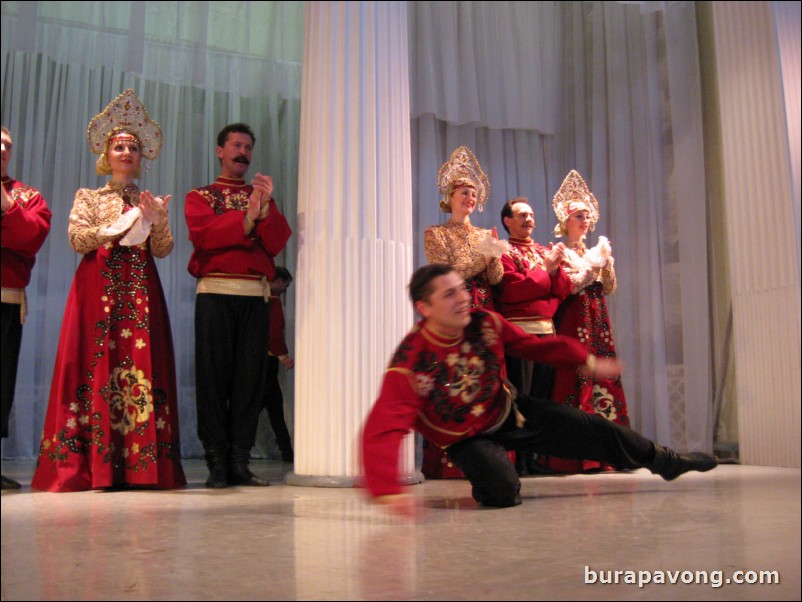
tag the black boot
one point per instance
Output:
(669, 464)
(283, 442)
(238, 471)
(217, 461)
(9, 484)
(497, 501)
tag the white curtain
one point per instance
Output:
(197, 66)
(787, 19)
(612, 90)
(501, 58)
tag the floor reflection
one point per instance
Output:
(299, 543)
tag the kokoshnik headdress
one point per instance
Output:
(574, 195)
(126, 113)
(462, 169)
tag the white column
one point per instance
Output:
(763, 247)
(354, 231)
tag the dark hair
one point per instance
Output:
(420, 285)
(506, 210)
(282, 273)
(236, 128)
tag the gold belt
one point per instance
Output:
(17, 297)
(245, 286)
(536, 325)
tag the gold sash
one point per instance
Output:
(245, 286)
(17, 297)
(535, 325)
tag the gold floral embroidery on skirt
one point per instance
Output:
(130, 399)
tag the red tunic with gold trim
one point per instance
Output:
(24, 229)
(527, 290)
(584, 316)
(215, 215)
(449, 389)
(112, 418)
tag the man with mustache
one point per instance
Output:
(528, 295)
(236, 230)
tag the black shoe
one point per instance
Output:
(287, 455)
(238, 471)
(669, 464)
(241, 475)
(495, 501)
(9, 484)
(535, 468)
(218, 478)
(217, 460)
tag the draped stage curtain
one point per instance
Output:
(535, 89)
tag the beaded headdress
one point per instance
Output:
(462, 169)
(125, 113)
(574, 195)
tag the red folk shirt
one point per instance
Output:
(527, 290)
(278, 345)
(24, 228)
(215, 217)
(449, 389)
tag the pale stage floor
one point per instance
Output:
(736, 523)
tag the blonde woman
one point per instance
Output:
(584, 316)
(474, 252)
(112, 418)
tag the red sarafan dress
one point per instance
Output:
(583, 315)
(112, 417)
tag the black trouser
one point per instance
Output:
(231, 345)
(10, 341)
(531, 379)
(274, 404)
(550, 428)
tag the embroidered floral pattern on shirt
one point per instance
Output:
(532, 259)
(22, 194)
(225, 201)
(458, 385)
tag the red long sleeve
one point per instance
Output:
(25, 227)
